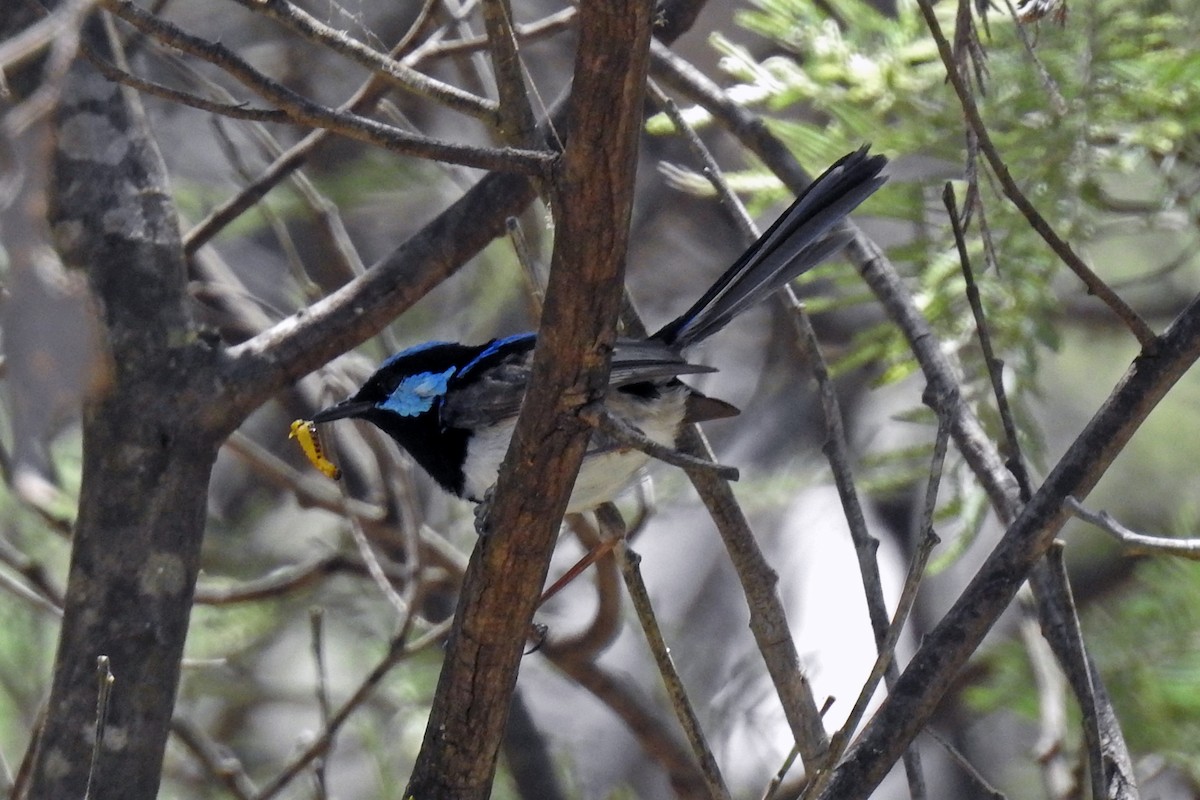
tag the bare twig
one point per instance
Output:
(886, 659)
(105, 680)
(768, 620)
(625, 434)
(995, 367)
(982, 789)
(316, 619)
(223, 767)
(1058, 773)
(528, 32)
(306, 112)
(397, 652)
(394, 71)
(234, 110)
(516, 121)
(1109, 764)
(291, 159)
(684, 711)
(1137, 543)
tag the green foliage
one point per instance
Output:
(1097, 126)
(1146, 643)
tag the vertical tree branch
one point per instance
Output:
(594, 197)
(146, 463)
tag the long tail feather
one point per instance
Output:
(796, 242)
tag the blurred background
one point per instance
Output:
(1095, 111)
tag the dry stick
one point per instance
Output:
(527, 32)
(233, 110)
(105, 680)
(908, 596)
(316, 619)
(995, 367)
(306, 112)
(634, 710)
(684, 711)
(1145, 335)
(1109, 764)
(1015, 462)
(1059, 775)
(982, 789)
(1137, 543)
(575, 656)
(516, 121)
(625, 434)
(395, 72)
(223, 767)
(322, 209)
(836, 450)
(605, 626)
(397, 652)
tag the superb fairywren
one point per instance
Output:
(453, 406)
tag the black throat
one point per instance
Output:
(439, 450)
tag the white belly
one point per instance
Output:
(606, 470)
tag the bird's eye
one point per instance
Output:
(416, 394)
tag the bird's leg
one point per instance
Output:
(482, 510)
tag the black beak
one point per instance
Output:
(344, 409)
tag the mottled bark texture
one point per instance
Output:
(146, 461)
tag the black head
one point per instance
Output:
(403, 398)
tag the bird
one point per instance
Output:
(453, 406)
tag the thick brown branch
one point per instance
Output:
(508, 569)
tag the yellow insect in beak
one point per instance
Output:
(304, 431)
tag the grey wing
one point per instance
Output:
(490, 398)
(495, 394)
(637, 360)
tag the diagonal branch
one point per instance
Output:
(946, 648)
(303, 111)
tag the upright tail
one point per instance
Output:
(798, 241)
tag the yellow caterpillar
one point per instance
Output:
(305, 432)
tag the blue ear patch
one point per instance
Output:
(416, 393)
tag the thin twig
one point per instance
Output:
(1059, 775)
(223, 767)
(291, 159)
(397, 652)
(527, 32)
(886, 658)
(1144, 333)
(234, 110)
(1110, 765)
(836, 449)
(316, 619)
(982, 789)
(625, 434)
(515, 115)
(995, 367)
(105, 680)
(395, 72)
(684, 711)
(307, 112)
(1137, 543)
(605, 625)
